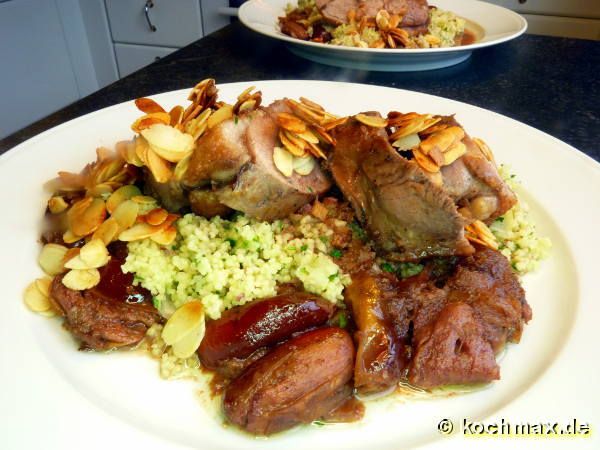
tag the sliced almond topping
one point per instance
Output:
(126, 213)
(176, 115)
(57, 204)
(140, 231)
(86, 215)
(454, 152)
(442, 139)
(160, 168)
(156, 217)
(108, 231)
(372, 121)
(120, 195)
(94, 254)
(149, 120)
(311, 105)
(70, 238)
(333, 123)
(185, 329)
(147, 105)
(324, 135)
(305, 165)
(407, 142)
(293, 145)
(168, 142)
(35, 299)
(425, 162)
(51, 259)
(485, 149)
(479, 232)
(165, 237)
(305, 112)
(80, 280)
(222, 114)
(284, 161)
(315, 150)
(291, 123)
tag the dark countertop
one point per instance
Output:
(549, 83)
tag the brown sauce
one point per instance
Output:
(352, 410)
(468, 38)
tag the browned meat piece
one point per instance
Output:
(242, 330)
(219, 154)
(487, 283)
(172, 194)
(293, 28)
(298, 382)
(417, 13)
(414, 12)
(380, 356)
(473, 182)
(260, 190)
(205, 202)
(417, 29)
(452, 349)
(489, 294)
(407, 215)
(336, 11)
(111, 315)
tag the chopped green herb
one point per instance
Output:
(310, 189)
(357, 231)
(319, 423)
(291, 248)
(232, 242)
(324, 239)
(408, 269)
(304, 248)
(336, 253)
(334, 276)
(343, 321)
(235, 120)
(387, 267)
(500, 219)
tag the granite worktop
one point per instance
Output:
(552, 84)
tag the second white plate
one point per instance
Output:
(498, 24)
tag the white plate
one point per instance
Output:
(491, 23)
(55, 397)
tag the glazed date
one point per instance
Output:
(299, 381)
(243, 330)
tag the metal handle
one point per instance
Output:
(149, 4)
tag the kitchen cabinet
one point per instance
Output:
(131, 57)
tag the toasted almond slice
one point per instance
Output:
(284, 161)
(57, 204)
(434, 128)
(199, 125)
(147, 105)
(108, 231)
(308, 136)
(35, 299)
(77, 263)
(437, 156)
(187, 346)
(222, 114)
(291, 123)
(120, 195)
(316, 151)
(247, 105)
(168, 142)
(453, 153)
(140, 231)
(85, 216)
(43, 285)
(331, 124)
(156, 217)
(485, 149)
(126, 213)
(51, 259)
(70, 238)
(165, 237)
(80, 280)
(144, 200)
(94, 254)
(425, 162)
(149, 120)
(294, 138)
(324, 135)
(101, 190)
(245, 93)
(161, 170)
(305, 112)
(312, 105)
(407, 142)
(442, 139)
(176, 115)
(126, 149)
(186, 319)
(304, 166)
(181, 168)
(291, 145)
(372, 121)
(319, 210)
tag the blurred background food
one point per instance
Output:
(56, 52)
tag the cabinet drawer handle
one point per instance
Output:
(149, 4)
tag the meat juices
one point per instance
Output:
(245, 329)
(298, 382)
